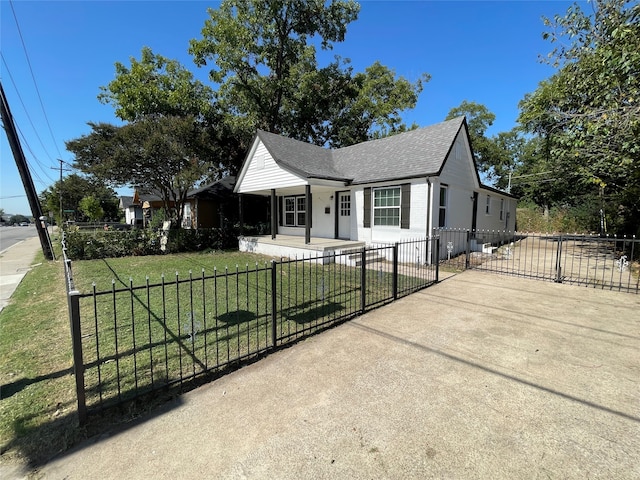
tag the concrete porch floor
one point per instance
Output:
(297, 244)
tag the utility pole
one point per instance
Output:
(25, 175)
(60, 189)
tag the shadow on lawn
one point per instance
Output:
(10, 389)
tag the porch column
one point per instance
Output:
(307, 223)
(241, 212)
(274, 214)
(336, 215)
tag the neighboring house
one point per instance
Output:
(213, 205)
(381, 191)
(216, 205)
(132, 210)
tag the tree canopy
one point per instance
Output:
(494, 155)
(588, 113)
(162, 155)
(263, 58)
(74, 188)
(156, 86)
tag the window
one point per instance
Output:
(442, 213)
(487, 209)
(386, 206)
(345, 205)
(502, 209)
(295, 211)
(186, 216)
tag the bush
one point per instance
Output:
(91, 245)
(556, 220)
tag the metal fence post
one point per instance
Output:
(467, 257)
(274, 305)
(73, 299)
(437, 259)
(559, 260)
(395, 271)
(363, 279)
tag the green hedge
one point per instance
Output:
(91, 245)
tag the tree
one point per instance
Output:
(17, 219)
(74, 188)
(588, 113)
(492, 158)
(90, 206)
(162, 155)
(265, 65)
(156, 86)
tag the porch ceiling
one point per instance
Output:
(297, 190)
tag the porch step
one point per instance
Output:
(370, 257)
(488, 248)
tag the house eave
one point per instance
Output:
(394, 179)
(499, 192)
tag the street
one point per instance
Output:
(11, 235)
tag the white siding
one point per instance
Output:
(459, 205)
(492, 221)
(459, 175)
(377, 234)
(263, 173)
(459, 169)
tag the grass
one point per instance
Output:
(138, 338)
(167, 334)
(37, 394)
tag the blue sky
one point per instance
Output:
(480, 51)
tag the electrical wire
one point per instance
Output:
(24, 47)
(6, 66)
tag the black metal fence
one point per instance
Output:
(131, 341)
(611, 263)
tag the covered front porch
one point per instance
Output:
(296, 246)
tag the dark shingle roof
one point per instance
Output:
(218, 189)
(126, 201)
(416, 153)
(300, 157)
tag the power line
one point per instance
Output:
(42, 167)
(15, 86)
(24, 47)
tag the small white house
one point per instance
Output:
(380, 191)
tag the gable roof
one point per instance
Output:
(126, 201)
(303, 158)
(415, 153)
(218, 189)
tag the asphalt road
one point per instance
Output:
(11, 235)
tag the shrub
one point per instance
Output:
(91, 245)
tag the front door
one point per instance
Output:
(344, 215)
(474, 215)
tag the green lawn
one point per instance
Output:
(37, 394)
(137, 338)
(145, 328)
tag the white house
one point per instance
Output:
(380, 191)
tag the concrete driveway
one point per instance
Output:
(480, 376)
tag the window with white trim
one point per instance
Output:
(502, 209)
(186, 216)
(386, 206)
(487, 208)
(295, 212)
(442, 212)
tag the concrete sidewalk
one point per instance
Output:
(15, 262)
(480, 376)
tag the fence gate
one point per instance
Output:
(599, 262)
